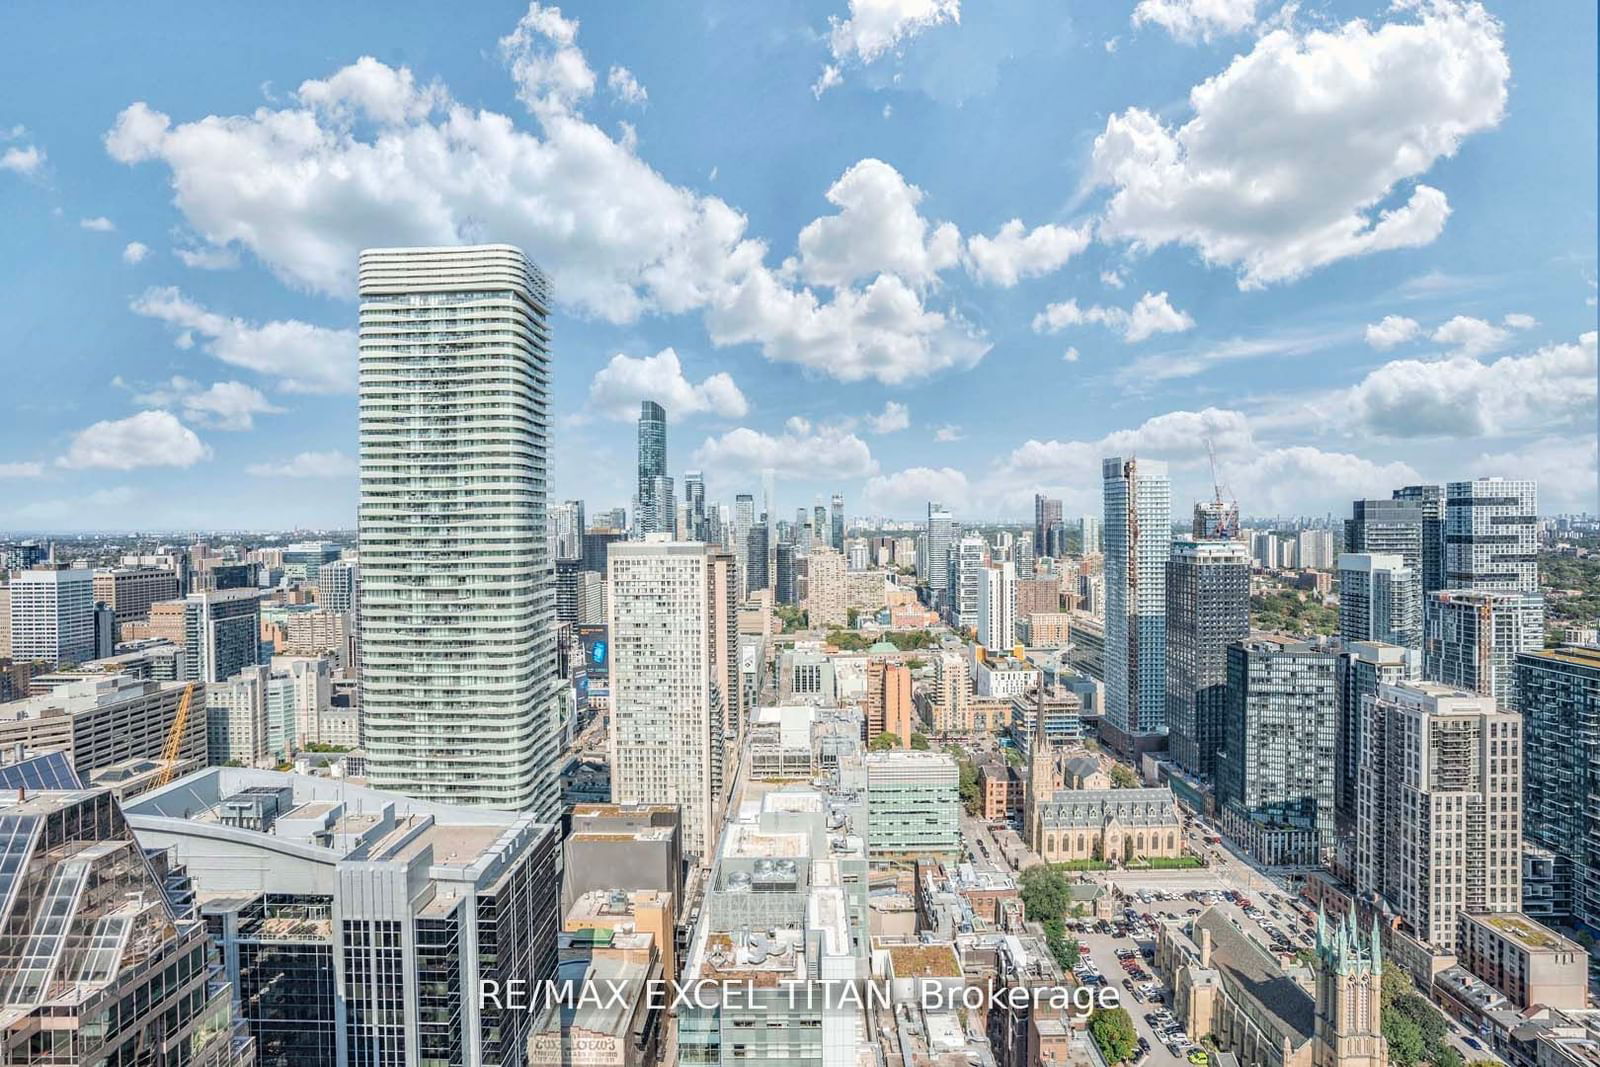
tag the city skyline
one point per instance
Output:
(215, 358)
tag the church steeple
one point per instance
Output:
(1349, 971)
(1041, 774)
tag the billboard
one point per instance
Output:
(596, 652)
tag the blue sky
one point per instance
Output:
(902, 249)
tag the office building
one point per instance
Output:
(652, 515)
(1558, 693)
(997, 605)
(827, 599)
(618, 847)
(1430, 499)
(941, 536)
(1275, 772)
(1380, 599)
(52, 615)
(382, 916)
(1491, 535)
(99, 963)
(129, 591)
(1208, 608)
(757, 546)
(461, 702)
(596, 542)
(1438, 825)
(1046, 516)
(219, 631)
(1138, 543)
(676, 698)
(303, 560)
(1471, 639)
(106, 719)
(837, 510)
(785, 580)
(913, 805)
(968, 558)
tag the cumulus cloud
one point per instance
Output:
(149, 439)
(1197, 20)
(26, 160)
(1306, 150)
(134, 252)
(1111, 279)
(221, 405)
(621, 384)
(333, 464)
(1564, 468)
(878, 228)
(304, 358)
(909, 491)
(802, 450)
(1470, 335)
(1015, 252)
(894, 417)
(948, 433)
(625, 87)
(1153, 314)
(368, 156)
(99, 224)
(1519, 321)
(875, 27)
(207, 258)
(1462, 396)
(1392, 330)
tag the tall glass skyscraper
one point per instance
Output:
(460, 696)
(1138, 541)
(652, 513)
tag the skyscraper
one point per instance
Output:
(52, 615)
(1387, 527)
(567, 529)
(757, 546)
(1430, 498)
(1046, 513)
(744, 518)
(1138, 542)
(838, 522)
(1208, 608)
(1216, 520)
(1091, 535)
(676, 706)
(941, 535)
(968, 557)
(694, 495)
(1380, 599)
(652, 513)
(460, 695)
(1491, 535)
(1559, 697)
(1362, 667)
(1471, 638)
(997, 605)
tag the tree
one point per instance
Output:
(1449, 1057)
(1405, 1042)
(1396, 984)
(1062, 947)
(970, 798)
(1122, 777)
(919, 741)
(883, 742)
(1113, 1032)
(1046, 893)
(850, 617)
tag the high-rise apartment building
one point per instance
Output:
(567, 529)
(997, 605)
(460, 697)
(827, 596)
(967, 559)
(1380, 599)
(837, 512)
(1316, 549)
(1362, 668)
(1216, 520)
(1491, 535)
(1276, 768)
(1471, 639)
(1430, 498)
(941, 536)
(1438, 824)
(757, 547)
(785, 584)
(1091, 534)
(694, 496)
(1208, 608)
(950, 696)
(219, 631)
(652, 514)
(676, 697)
(52, 614)
(1386, 527)
(1046, 514)
(1558, 693)
(1138, 542)
(889, 709)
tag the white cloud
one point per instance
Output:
(304, 358)
(625, 87)
(875, 27)
(1197, 20)
(894, 417)
(134, 252)
(909, 491)
(1301, 152)
(1070, 355)
(1153, 314)
(208, 258)
(1471, 336)
(877, 229)
(948, 433)
(1392, 330)
(367, 157)
(1564, 468)
(21, 470)
(26, 160)
(333, 464)
(621, 384)
(1463, 397)
(1111, 279)
(1302, 480)
(99, 224)
(1519, 321)
(1015, 252)
(221, 405)
(801, 451)
(148, 439)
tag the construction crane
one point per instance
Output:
(174, 745)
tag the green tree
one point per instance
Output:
(850, 617)
(1405, 1041)
(1396, 984)
(919, 741)
(883, 742)
(1062, 947)
(1046, 893)
(1122, 777)
(1449, 1057)
(969, 784)
(1113, 1032)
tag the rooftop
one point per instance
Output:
(924, 961)
(1526, 933)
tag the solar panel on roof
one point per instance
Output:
(49, 770)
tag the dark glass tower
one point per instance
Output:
(652, 469)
